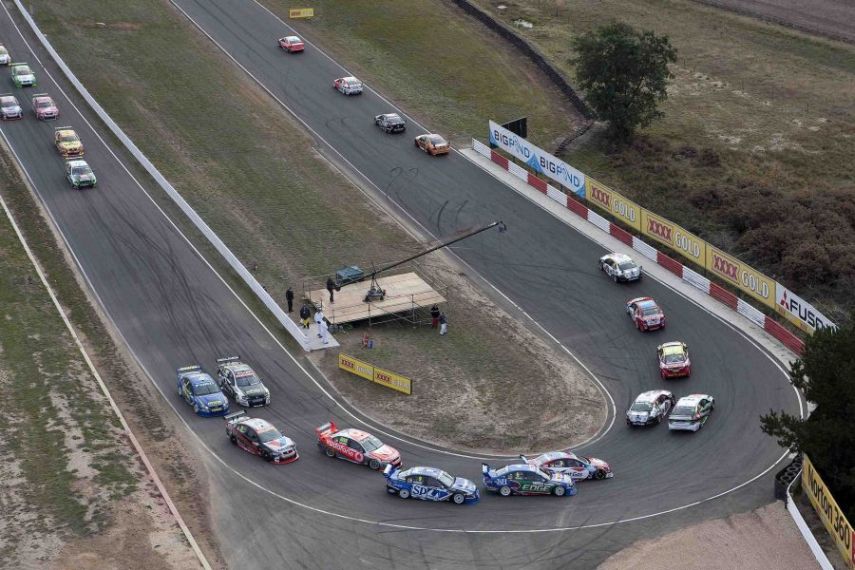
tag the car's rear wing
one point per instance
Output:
(34, 95)
(7, 95)
(18, 63)
(232, 418)
(328, 427)
(524, 458)
(68, 128)
(228, 359)
(190, 368)
(485, 469)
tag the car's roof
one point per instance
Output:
(553, 455)
(293, 39)
(519, 467)
(426, 471)
(435, 137)
(66, 131)
(350, 79)
(8, 99)
(391, 115)
(648, 304)
(693, 398)
(258, 424)
(199, 378)
(619, 257)
(353, 433)
(41, 98)
(650, 395)
(238, 367)
(670, 348)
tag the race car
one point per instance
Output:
(241, 383)
(5, 58)
(390, 123)
(259, 437)
(67, 142)
(432, 144)
(691, 412)
(9, 107)
(348, 85)
(199, 390)
(650, 408)
(356, 446)
(44, 107)
(620, 267)
(79, 175)
(430, 484)
(524, 479)
(22, 75)
(291, 44)
(577, 467)
(645, 313)
(674, 360)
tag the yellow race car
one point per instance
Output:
(67, 142)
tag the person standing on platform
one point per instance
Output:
(289, 296)
(331, 289)
(324, 331)
(443, 324)
(305, 313)
(434, 316)
(319, 318)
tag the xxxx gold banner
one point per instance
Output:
(621, 208)
(376, 375)
(741, 275)
(683, 242)
(301, 13)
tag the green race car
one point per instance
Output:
(79, 174)
(22, 75)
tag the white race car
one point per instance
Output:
(240, 381)
(650, 408)
(576, 466)
(691, 412)
(620, 267)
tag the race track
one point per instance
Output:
(172, 309)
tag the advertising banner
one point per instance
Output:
(355, 366)
(538, 159)
(301, 13)
(376, 375)
(607, 199)
(683, 242)
(800, 312)
(741, 275)
(828, 510)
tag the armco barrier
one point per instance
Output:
(693, 278)
(179, 200)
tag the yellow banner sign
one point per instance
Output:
(301, 13)
(621, 208)
(826, 507)
(376, 375)
(683, 242)
(741, 275)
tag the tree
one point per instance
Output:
(826, 375)
(624, 74)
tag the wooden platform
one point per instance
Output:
(405, 292)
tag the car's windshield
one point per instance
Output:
(649, 310)
(68, 138)
(673, 358)
(683, 411)
(248, 380)
(641, 407)
(445, 479)
(269, 435)
(205, 389)
(22, 70)
(371, 443)
(42, 103)
(627, 265)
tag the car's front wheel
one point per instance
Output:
(505, 491)
(559, 491)
(373, 464)
(600, 474)
(233, 439)
(404, 494)
(458, 499)
(329, 452)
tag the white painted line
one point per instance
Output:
(137, 447)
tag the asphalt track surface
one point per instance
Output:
(172, 309)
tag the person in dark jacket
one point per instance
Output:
(305, 313)
(331, 289)
(434, 316)
(289, 296)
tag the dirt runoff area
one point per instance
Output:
(482, 387)
(764, 538)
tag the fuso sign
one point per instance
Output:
(741, 275)
(800, 312)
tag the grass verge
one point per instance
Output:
(295, 216)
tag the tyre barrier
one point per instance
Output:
(786, 476)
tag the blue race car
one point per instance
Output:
(199, 390)
(430, 484)
(523, 479)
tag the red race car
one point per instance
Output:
(645, 313)
(674, 360)
(356, 446)
(291, 44)
(259, 437)
(44, 107)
